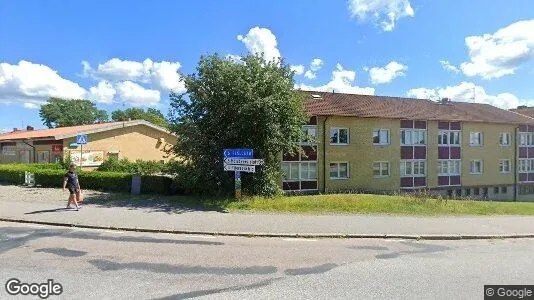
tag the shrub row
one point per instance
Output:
(95, 180)
(143, 167)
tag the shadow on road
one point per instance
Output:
(46, 211)
(154, 203)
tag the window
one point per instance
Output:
(523, 138)
(381, 169)
(496, 190)
(526, 165)
(448, 167)
(294, 171)
(476, 167)
(339, 136)
(504, 139)
(309, 133)
(476, 191)
(475, 139)
(449, 193)
(291, 171)
(415, 168)
(467, 192)
(339, 170)
(504, 165)
(504, 189)
(448, 137)
(381, 137)
(485, 192)
(458, 192)
(413, 137)
(308, 171)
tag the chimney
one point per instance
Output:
(29, 128)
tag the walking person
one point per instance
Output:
(71, 182)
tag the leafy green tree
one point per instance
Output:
(228, 104)
(151, 115)
(63, 112)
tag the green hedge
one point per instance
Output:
(93, 180)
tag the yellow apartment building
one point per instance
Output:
(387, 144)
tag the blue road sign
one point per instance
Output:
(238, 153)
(81, 139)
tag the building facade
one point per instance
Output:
(132, 140)
(384, 145)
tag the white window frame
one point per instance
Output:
(473, 163)
(526, 139)
(526, 165)
(338, 129)
(380, 142)
(299, 170)
(381, 168)
(308, 163)
(502, 165)
(305, 130)
(412, 163)
(450, 133)
(480, 139)
(449, 163)
(339, 163)
(413, 133)
(505, 136)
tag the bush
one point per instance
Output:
(94, 180)
(151, 184)
(137, 167)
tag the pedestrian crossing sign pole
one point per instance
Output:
(81, 140)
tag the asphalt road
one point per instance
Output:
(96, 264)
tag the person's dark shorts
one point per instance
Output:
(72, 190)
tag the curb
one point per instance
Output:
(284, 235)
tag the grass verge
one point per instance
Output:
(329, 204)
(365, 203)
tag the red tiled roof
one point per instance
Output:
(365, 106)
(62, 132)
(527, 111)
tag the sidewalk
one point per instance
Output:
(162, 217)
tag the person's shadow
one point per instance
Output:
(46, 211)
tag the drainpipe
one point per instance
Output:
(34, 153)
(516, 150)
(324, 155)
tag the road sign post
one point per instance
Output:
(240, 160)
(81, 140)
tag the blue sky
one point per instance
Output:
(126, 53)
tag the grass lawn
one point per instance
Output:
(364, 203)
(339, 203)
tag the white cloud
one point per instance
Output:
(31, 105)
(298, 69)
(384, 12)
(104, 92)
(165, 75)
(315, 65)
(502, 53)
(310, 74)
(342, 82)
(261, 40)
(162, 75)
(380, 75)
(137, 95)
(27, 82)
(469, 92)
(448, 67)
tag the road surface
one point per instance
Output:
(97, 264)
